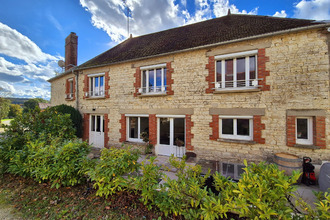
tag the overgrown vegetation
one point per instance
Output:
(75, 117)
(41, 145)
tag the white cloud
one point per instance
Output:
(221, 8)
(281, 14)
(14, 44)
(147, 16)
(313, 9)
(24, 79)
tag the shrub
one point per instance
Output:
(75, 116)
(147, 183)
(109, 173)
(61, 164)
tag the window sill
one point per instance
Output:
(313, 147)
(236, 90)
(96, 97)
(70, 99)
(152, 94)
(236, 141)
(135, 143)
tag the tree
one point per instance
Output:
(30, 104)
(4, 107)
(15, 110)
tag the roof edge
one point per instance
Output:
(200, 47)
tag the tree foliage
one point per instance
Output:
(4, 108)
(75, 116)
(30, 105)
(15, 110)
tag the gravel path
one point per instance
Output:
(6, 213)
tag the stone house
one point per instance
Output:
(227, 89)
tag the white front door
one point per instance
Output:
(96, 131)
(171, 136)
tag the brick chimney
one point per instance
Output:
(71, 51)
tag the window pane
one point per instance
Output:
(144, 80)
(92, 85)
(243, 127)
(229, 73)
(228, 170)
(240, 170)
(165, 78)
(159, 80)
(101, 85)
(151, 80)
(218, 79)
(133, 127)
(98, 123)
(240, 65)
(164, 131)
(302, 128)
(93, 123)
(96, 81)
(179, 132)
(71, 86)
(252, 61)
(144, 125)
(227, 126)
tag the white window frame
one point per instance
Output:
(235, 56)
(235, 136)
(70, 94)
(309, 140)
(139, 116)
(171, 119)
(97, 91)
(145, 90)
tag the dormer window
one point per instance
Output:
(153, 79)
(236, 71)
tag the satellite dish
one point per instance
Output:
(61, 63)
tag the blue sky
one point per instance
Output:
(32, 32)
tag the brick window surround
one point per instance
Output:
(106, 130)
(262, 72)
(106, 85)
(169, 80)
(257, 125)
(67, 89)
(153, 130)
(319, 130)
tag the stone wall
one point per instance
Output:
(298, 67)
(59, 90)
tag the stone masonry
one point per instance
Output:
(295, 76)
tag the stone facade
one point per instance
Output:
(295, 75)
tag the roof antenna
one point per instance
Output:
(128, 14)
(229, 11)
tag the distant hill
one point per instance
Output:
(18, 101)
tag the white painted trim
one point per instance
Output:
(309, 140)
(137, 115)
(170, 116)
(235, 136)
(157, 66)
(238, 117)
(70, 80)
(95, 74)
(235, 55)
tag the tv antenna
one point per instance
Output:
(128, 14)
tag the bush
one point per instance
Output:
(109, 173)
(61, 164)
(75, 116)
(147, 183)
(44, 126)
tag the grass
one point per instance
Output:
(39, 201)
